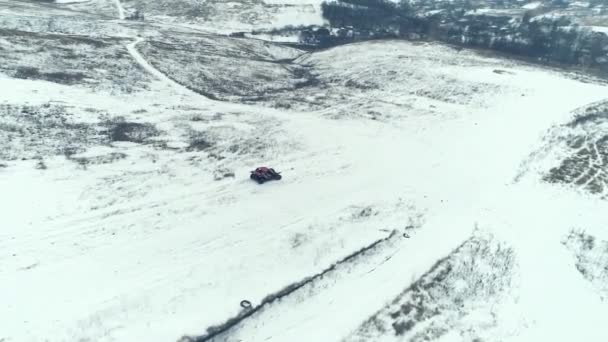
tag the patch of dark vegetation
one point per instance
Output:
(475, 275)
(502, 72)
(593, 115)
(365, 85)
(120, 130)
(230, 69)
(364, 213)
(98, 160)
(246, 148)
(591, 258)
(216, 156)
(32, 132)
(216, 333)
(222, 173)
(366, 14)
(32, 73)
(99, 63)
(198, 118)
(180, 8)
(27, 73)
(547, 39)
(307, 77)
(200, 141)
(587, 164)
(199, 144)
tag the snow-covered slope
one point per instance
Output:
(230, 16)
(427, 193)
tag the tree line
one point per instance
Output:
(544, 38)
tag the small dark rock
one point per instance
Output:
(41, 165)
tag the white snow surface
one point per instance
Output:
(229, 16)
(603, 29)
(120, 9)
(532, 5)
(151, 247)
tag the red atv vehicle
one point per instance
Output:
(263, 174)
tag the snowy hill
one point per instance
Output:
(230, 16)
(428, 193)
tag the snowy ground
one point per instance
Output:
(427, 194)
(230, 16)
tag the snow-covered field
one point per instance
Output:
(229, 16)
(427, 193)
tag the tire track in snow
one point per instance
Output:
(226, 327)
(597, 164)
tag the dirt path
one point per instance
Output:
(121, 10)
(144, 63)
(132, 49)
